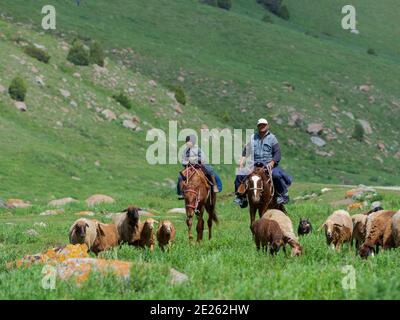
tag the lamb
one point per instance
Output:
(359, 229)
(286, 226)
(128, 226)
(83, 231)
(165, 234)
(266, 233)
(147, 234)
(305, 227)
(107, 237)
(376, 233)
(338, 229)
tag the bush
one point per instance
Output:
(284, 12)
(123, 100)
(358, 133)
(97, 53)
(17, 89)
(224, 4)
(179, 94)
(271, 5)
(37, 53)
(267, 18)
(78, 55)
(371, 52)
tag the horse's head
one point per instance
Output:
(256, 184)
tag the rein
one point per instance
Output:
(271, 186)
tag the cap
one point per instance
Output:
(262, 121)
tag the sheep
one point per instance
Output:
(147, 234)
(128, 226)
(107, 237)
(359, 229)
(267, 232)
(83, 231)
(338, 229)
(377, 225)
(305, 227)
(396, 229)
(286, 226)
(165, 234)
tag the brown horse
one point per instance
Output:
(260, 192)
(198, 196)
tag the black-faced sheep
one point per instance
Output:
(107, 237)
(165, 234)
(377, 224)
(338, 229)
(83, 231)
(286, 226)
(267, 233)
(305, 227)
(128, 226)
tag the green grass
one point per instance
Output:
(227, 267)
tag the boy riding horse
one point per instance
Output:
(264, 150)
(193, 155)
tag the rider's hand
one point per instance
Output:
(271, 164)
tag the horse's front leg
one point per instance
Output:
(253, 211)
(200, 225)
(189, 222)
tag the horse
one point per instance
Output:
(259, 189)
(198, 196)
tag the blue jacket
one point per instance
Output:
(264, 149)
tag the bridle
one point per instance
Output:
(197, 201)
(269, 181)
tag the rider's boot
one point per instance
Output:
(215, 186)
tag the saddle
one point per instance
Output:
(191, 169)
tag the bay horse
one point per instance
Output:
(259, 189)
(198, 196)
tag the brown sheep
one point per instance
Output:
(267, 233)
(377, 224)
(128, 226)
(147, 234)
(338, 229)
(165, 234)
(286, 226)
(396, 229)
(107, 237)
(83, 231)
(359, 229)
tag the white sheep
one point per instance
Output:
(83, 231)
(338, 229)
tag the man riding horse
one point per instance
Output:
(264, 150)
(193, 155)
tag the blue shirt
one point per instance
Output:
(263, 149)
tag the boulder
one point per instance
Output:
(98, 199)
(61, 202)
(65, 93)
(85, 214)
(153, 83)
(21, 106)
(177, 210)
(40, 224)
(319, 142)
(315, 128)
(177, 277)
(129, 124)
(381, 146)
(39, 80)
(366, 126)
(52, 212)
(17, 204)
(109, 115)
(32, 233)
(364, 88)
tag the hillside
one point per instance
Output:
(234, 68)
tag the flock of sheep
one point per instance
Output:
(274, 230)
(126, 228)
(370, 231)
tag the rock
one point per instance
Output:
(177, 277)
(324, 153)
(378, 158)
(34, 70)
(85, 214)
(77, 75)
(3, 204)
(177, 107)
(177, 210)
(153, 83)
(339, 130)
(315, 128)
(39, 80)
(21, 106)
(152, 99)
(97, 163)
(355, 31)
(366, 126)
(357, 192)
(291, 142)
(32, 233)
(2, 89)
(129, 124)
(376, 204)
(335, 109)
(40, 224)
(364, 88)
(98, 199)
(76, 178)
(295, 120)
(39, 46)
(181, 79)
(52, 212)
(73, 104)
(17, 204)
(65, 93)
(325, 190)
(61, 202)
(349, 114)
(319, 142)
(397, 155)
(109, 115)
(381, 146)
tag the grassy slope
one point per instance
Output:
(234, 51)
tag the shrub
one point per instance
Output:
(180, 95)
(371, 52)
(17, 89)
(284, 12)
(271, 5)
(123, 100)
(97, 53)
(267, 18)
(358, 133)
(224, 4)
(37, 53)
(78, 55)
